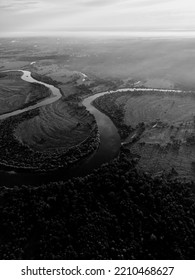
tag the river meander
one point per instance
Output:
(109, 138)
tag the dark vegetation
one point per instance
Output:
(116, 112)
(114, 213)
(18, 156)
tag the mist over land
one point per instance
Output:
(171, 59)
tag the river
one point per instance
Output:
(109, 138)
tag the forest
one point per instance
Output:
(113, 213)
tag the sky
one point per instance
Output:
(51, 16)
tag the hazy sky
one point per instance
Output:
(58, 15)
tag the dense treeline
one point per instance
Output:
(114, 213)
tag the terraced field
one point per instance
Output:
(163, 129)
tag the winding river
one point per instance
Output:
(108, 148)
(109, 138)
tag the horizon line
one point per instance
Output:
(83, 33)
